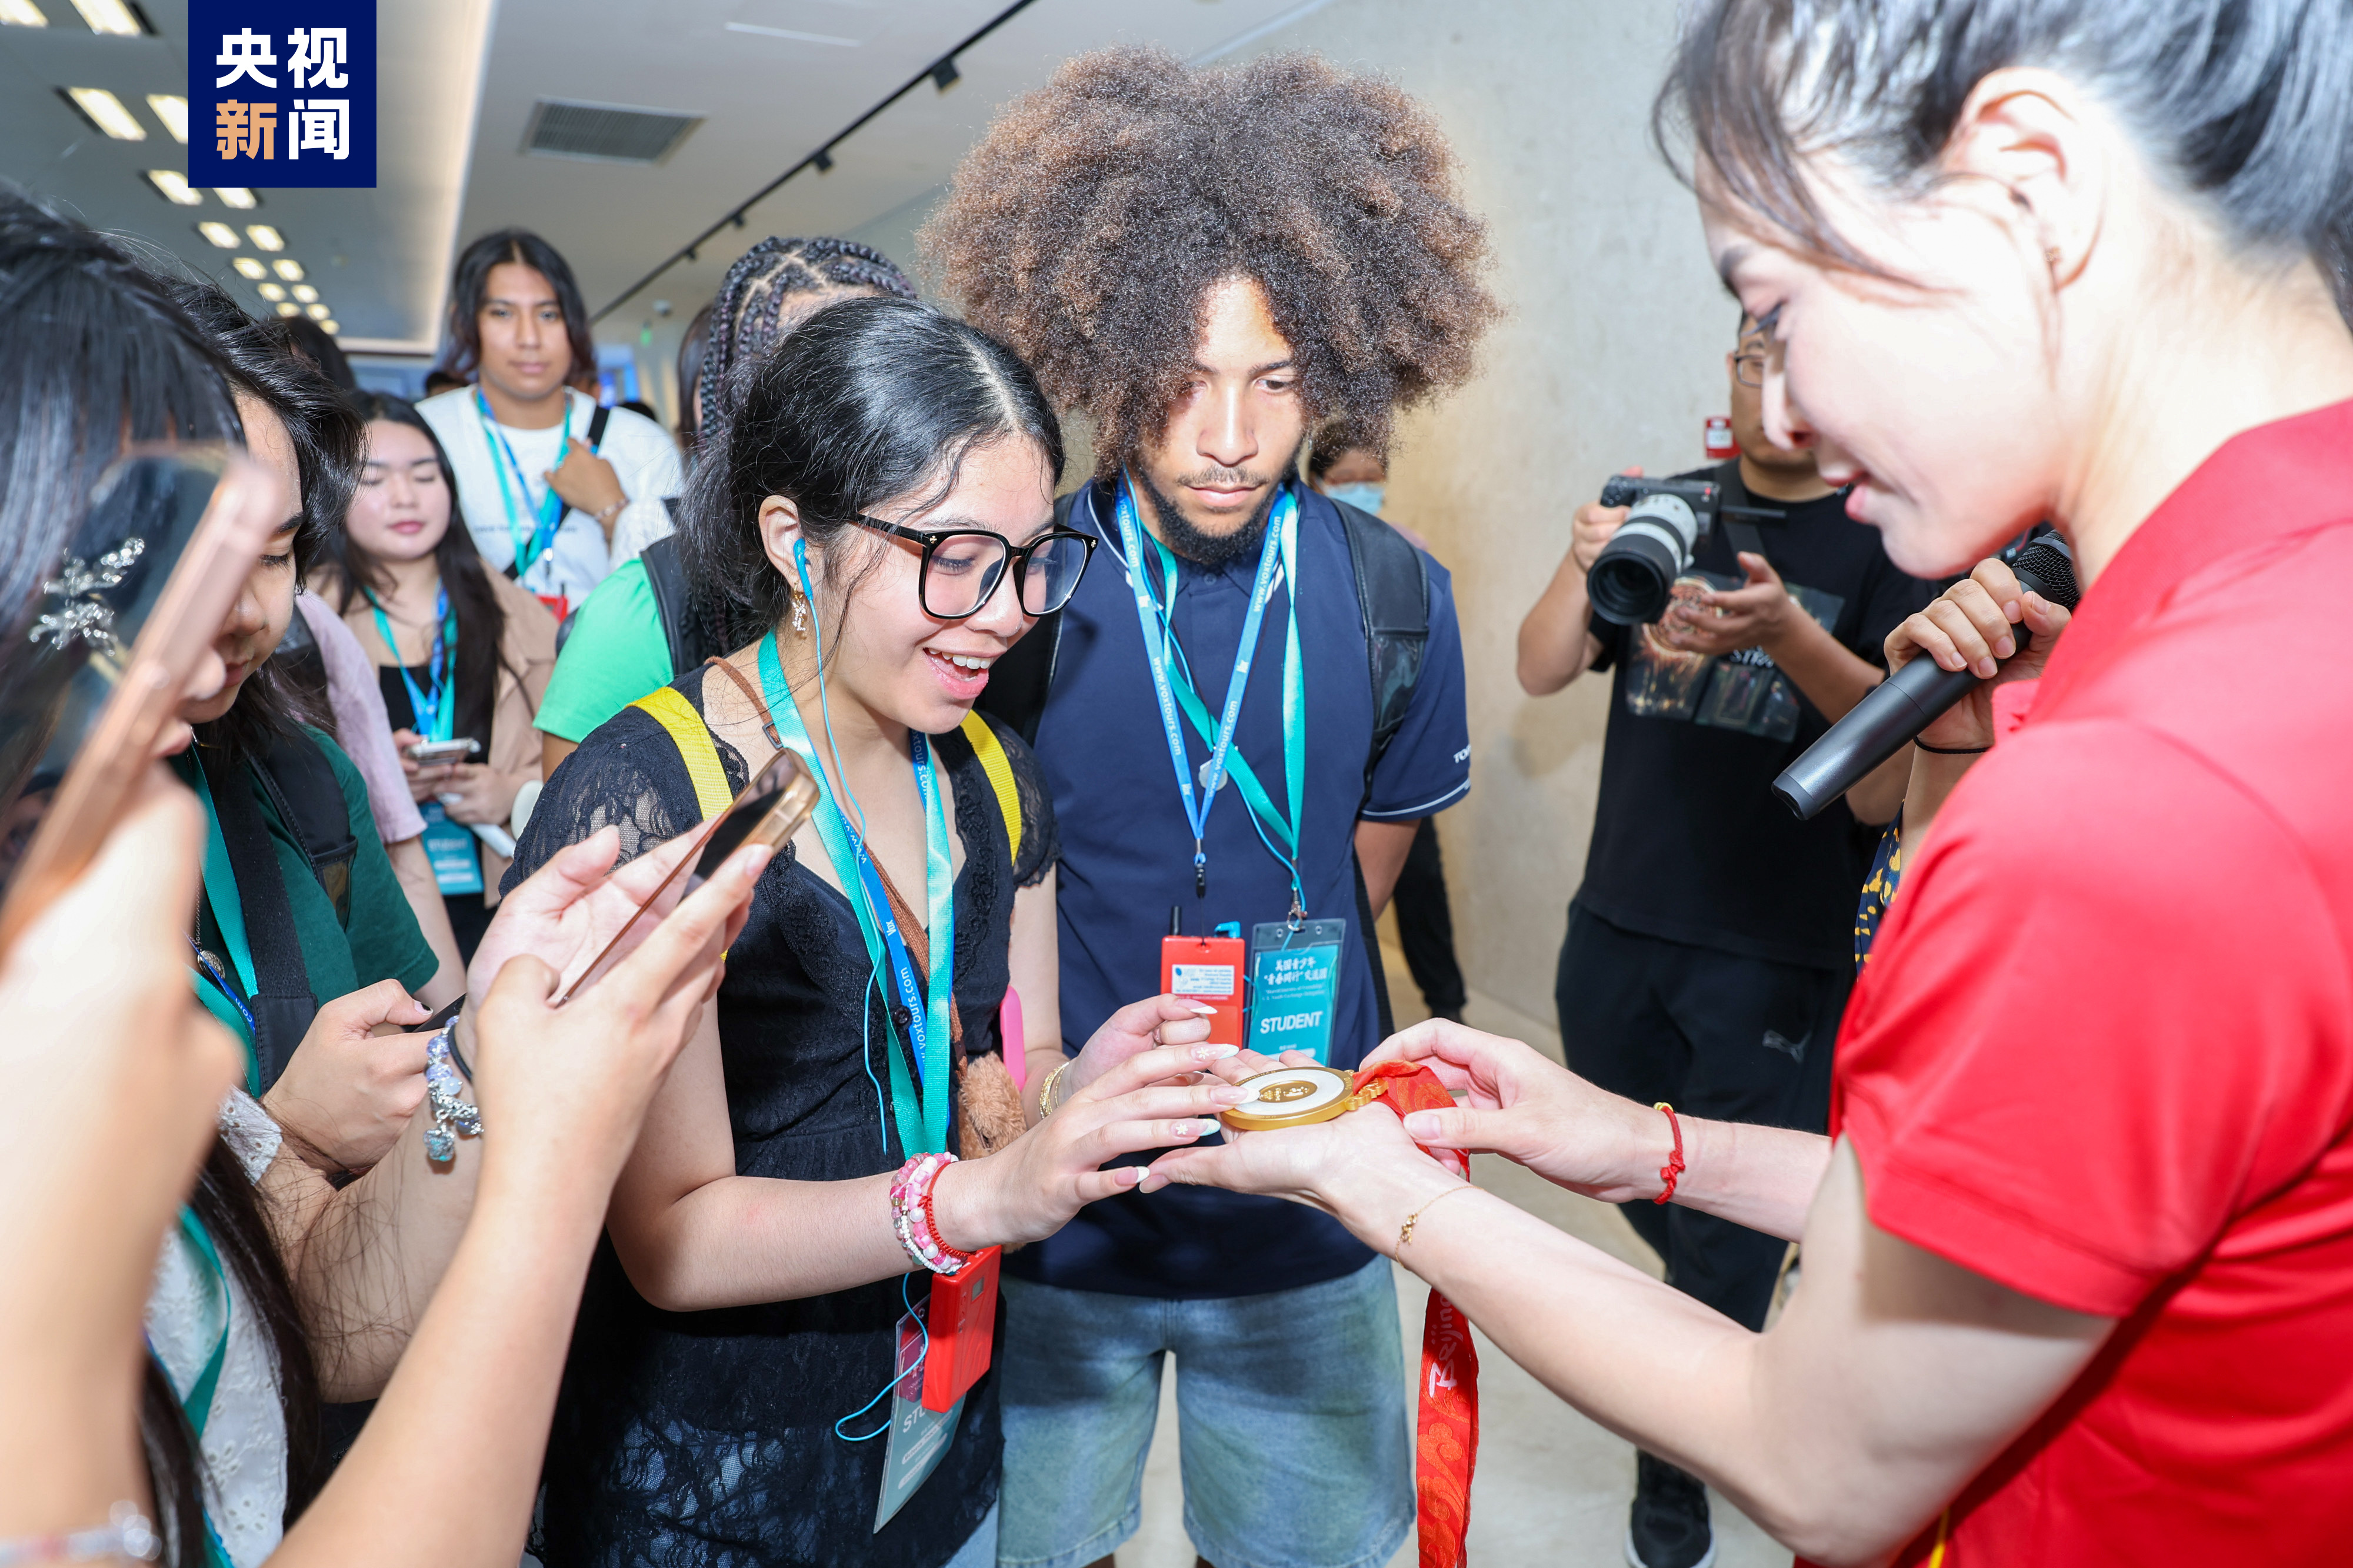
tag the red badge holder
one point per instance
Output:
(962, 1321)
(1446, 1430)
(1720, 443)
(1208, 969)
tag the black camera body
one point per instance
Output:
(1631, 579)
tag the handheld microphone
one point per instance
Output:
(1914, 697)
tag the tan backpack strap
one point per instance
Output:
(759, 703)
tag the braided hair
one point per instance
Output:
(749, 312)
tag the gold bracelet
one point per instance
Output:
(1405, 1231)
(1046, 1095)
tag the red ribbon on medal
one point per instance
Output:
(1446, 1430)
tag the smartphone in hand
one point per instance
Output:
(430, 753)
(146, 579)
(769, 810)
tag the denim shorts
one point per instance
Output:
(1291, 1423)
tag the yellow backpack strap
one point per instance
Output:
(999, 769)
(674, 713)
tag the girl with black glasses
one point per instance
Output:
(881, 499)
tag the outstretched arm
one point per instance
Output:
(1531, 1110)
(446, 1469)
(365, 1258)
(1893, 1377)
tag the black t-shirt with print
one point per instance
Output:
(1689, 841)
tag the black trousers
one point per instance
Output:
(1426, 925)
(1716, 1036)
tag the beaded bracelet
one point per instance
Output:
(126, 1534)
(911, 1215)
(451, 1115)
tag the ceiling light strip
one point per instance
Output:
(940, 72)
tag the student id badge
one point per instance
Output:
(919, 1436)
(449, 847)
(1294, 983)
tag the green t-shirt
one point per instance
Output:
(615, 653)
(375, 937)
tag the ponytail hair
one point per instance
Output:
(2245, 105)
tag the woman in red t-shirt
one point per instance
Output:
(2079, 1257)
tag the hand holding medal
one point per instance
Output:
(1302, 1094)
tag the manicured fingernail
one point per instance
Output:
(1152, 1183)
(1130, 1175)
(1187, 1129)
(1204, 1010)
(1215, 1053)
(1231, 1094)
(1421, 1124)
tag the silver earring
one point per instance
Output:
(801, 613)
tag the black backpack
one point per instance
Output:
(1392, 595)
(301, 786)
(683, 630)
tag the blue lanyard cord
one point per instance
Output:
(209, 968)
(888, 1388)
(435, 718)
(503, 461)
(1174, 688)
(923, 1129)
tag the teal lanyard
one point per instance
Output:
(228, 914)
(527, 552)
(924, 1130)
(1173, 680)
(198, 1403)
(435, 714)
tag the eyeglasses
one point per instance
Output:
(962, 567)
(1748, 369)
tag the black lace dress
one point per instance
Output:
(706, 1439)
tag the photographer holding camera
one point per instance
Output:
(1710, 946)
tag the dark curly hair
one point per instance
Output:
(1129, 184)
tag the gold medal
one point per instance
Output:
(1290, 1097)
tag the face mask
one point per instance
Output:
(1364, 496)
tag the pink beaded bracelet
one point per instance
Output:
(911, 1215)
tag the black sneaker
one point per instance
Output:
(1669, 1528)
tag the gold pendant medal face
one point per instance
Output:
(1289, 1097)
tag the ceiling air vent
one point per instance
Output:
(605, 134)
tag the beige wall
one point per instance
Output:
(1613, 355)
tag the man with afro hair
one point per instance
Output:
(1209, 265)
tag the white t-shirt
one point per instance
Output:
(502, 506)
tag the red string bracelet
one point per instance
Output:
(1674, 1168)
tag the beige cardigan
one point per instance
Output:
(527, 657)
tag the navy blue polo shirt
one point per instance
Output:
(1127, 856)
